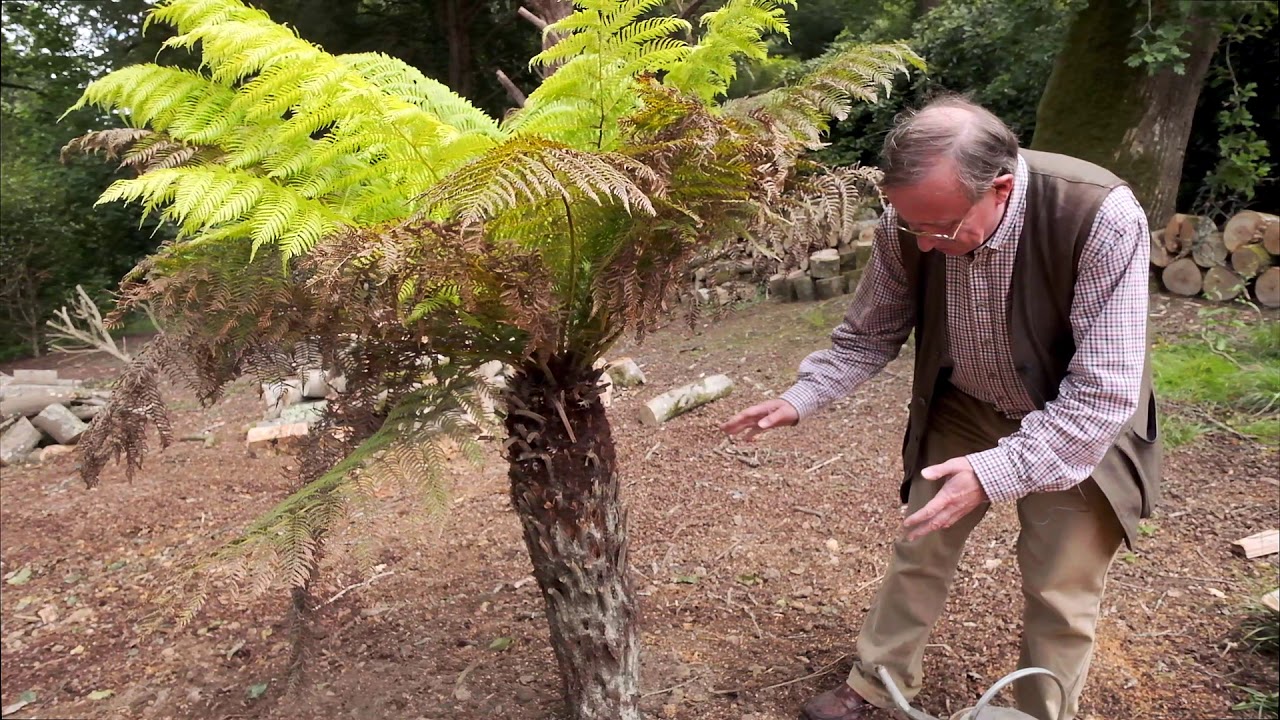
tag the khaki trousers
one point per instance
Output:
(1066, 544)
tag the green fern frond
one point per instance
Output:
(526, 171)
(736, 29)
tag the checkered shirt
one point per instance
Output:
(1056, 447)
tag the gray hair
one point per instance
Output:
(949, 128)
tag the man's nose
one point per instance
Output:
(925, 244)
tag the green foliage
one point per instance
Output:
(1243, 155)
(959, 40)
(1266, 703)
(350, 202)
(52, 239)
(1227, 377)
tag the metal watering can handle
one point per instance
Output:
(990, 694)
(898, 699)
(985, 700)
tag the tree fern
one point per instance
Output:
(351, 204)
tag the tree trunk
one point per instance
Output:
(456, 16)
(1183, 277)
(1126, 119)
(565, 488)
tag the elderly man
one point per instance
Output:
(1024, 277)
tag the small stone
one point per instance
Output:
(991, 563)
(833, 545)
(524, 694)
(526, 679)
(669, 710)
(802, 592)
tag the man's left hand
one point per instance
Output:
(960, 494)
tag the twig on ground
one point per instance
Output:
(826, 669)
(824, 463)
(651, 693)
(652, 450)
(810, 511)
(356, 586)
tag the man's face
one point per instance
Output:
(941, 214)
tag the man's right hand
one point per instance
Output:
(759, 418)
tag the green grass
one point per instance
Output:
(1228, 376)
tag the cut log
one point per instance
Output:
(625, 372)
(682, 399)
(29, 400)
(1182, 230)
(824, 264)
(1259, 544)
(863, 248)
(85, 412)
(60, 423)
(801, 285)
(1271, 600)
(1182, 277)
(1249, 260)
(1221, 284)
(1208, 250)
(1248, 227)
(1160, 256)
(1266, 289)
(828, 288)
(272, 439)
(779, 288)
(18, 441)
(36, 377)
(315, 384)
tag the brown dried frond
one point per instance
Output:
(138, 149)
(120, 428)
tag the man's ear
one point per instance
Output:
(1003, 186)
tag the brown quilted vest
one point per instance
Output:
(1063, 197)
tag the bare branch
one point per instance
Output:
(537, 21)
(516, 96)
(86, 332)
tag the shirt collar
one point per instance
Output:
(1010, 226)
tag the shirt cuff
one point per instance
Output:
(997, 474)
(804, 400)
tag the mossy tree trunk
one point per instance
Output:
(1134, 122)
(565, 488)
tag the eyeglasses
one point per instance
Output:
(884, 206)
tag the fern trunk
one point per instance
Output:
(565, 488)
(1135, 123)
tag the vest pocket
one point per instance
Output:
(1144, 425)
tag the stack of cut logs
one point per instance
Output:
(1193, 258)
(43, 415)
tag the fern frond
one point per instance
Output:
(526, 171)
(735, 29)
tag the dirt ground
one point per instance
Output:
(752, 580)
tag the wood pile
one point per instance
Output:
(43, 415)
(1192, 257)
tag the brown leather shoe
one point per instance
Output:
(842, 703)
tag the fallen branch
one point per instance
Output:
(810, 511)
